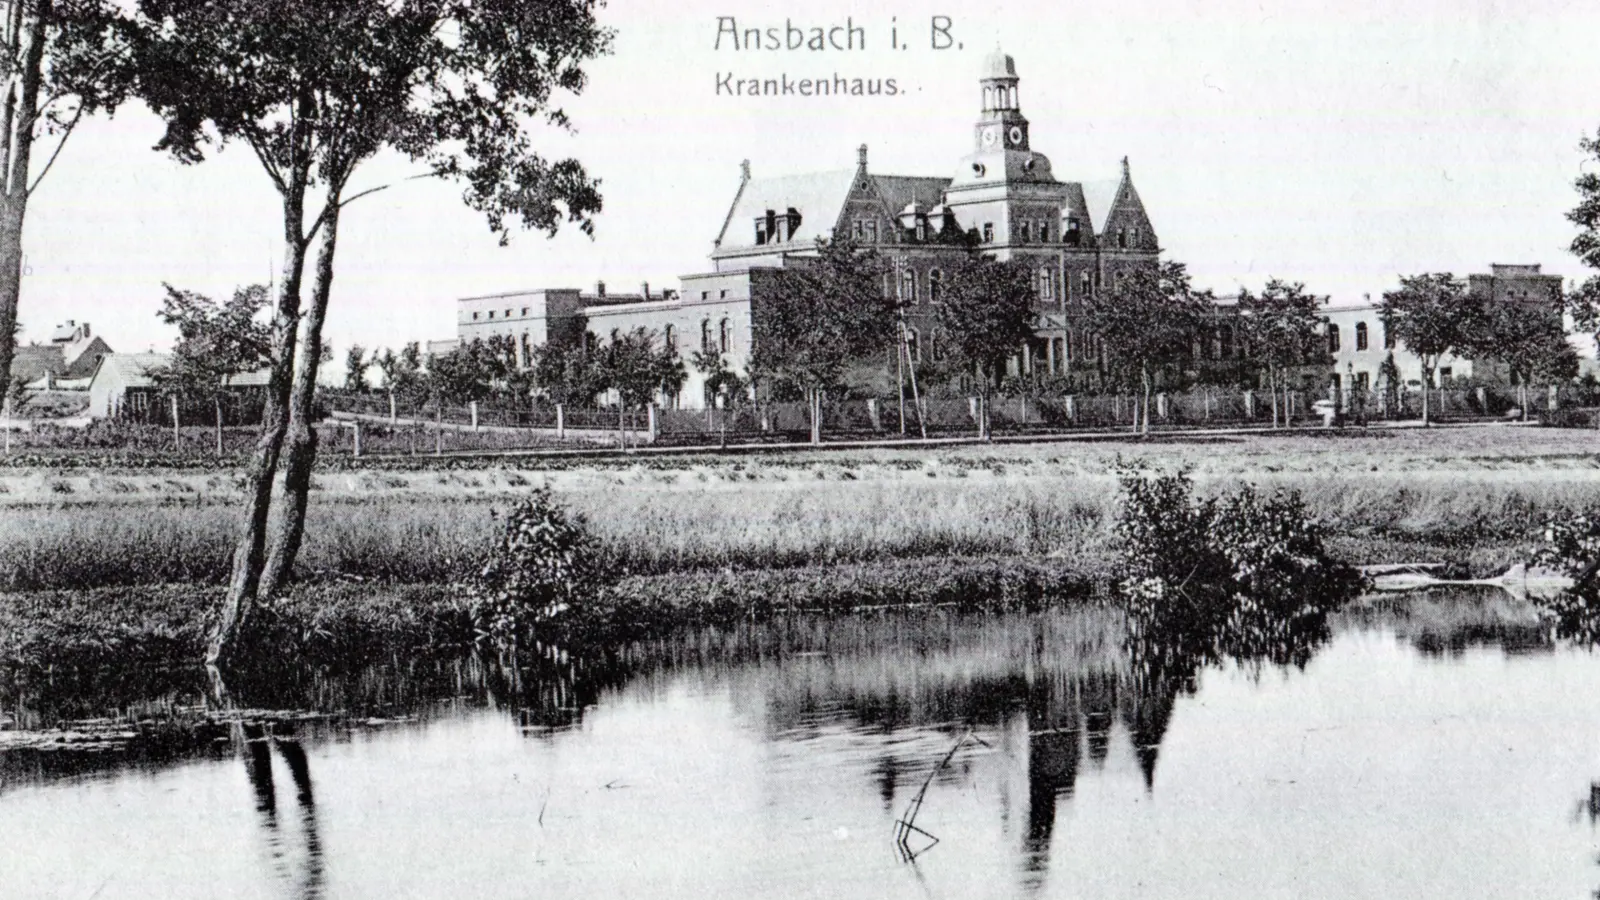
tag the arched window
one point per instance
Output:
(908, 286)
(705, 335)
(1333, 338)
(724, 336)
(1361, 335)
(669, 338)
(1122, 237)
(935, 285)
(1046, 284)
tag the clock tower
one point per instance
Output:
(1002, 125)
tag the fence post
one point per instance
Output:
(394, 413)
(1483, 400)
(175, 432)
(1071, 405)
(872, 414)
(561, 422)
(1161, 404)
(474, 406)
(355, 446)
(1249, 404)
(972, 408)
(438, 429)
(654, 423)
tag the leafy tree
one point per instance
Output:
(402, 372)
(316, 88)
(1583, 303)
(355, 369)
(669, 372)
(1530, 341)
(1433, 315)
(1148, 323)
(62, 60)
(984, 316)
(565, 369)
(1282, 328)
(822, 315)
(471, 372)
(720, 379)
(216, 341)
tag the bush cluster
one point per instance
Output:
(542, 574)
(1242, 577)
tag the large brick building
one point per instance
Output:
(1003, 197)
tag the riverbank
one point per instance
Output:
(167, 624)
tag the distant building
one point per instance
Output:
(1360, 344)
(65, 363)
(124, 387)
(1003, 199)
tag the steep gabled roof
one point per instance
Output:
(899, 191)
(819, 198)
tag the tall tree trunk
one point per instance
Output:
(302, 432)
(24, 28)
(1428, 381)
(1144, 383)
(216, 402)
(249, 553)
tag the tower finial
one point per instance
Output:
(861, 156)
(1124, 167)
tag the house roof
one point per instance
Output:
(818, 197)
(132, 369)
(31, 361)
(900, 191)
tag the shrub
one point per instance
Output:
(542, 574)
(1570, 547)
(1244, 577)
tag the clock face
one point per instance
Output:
(990, 136)
(1015, 134)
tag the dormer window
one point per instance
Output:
(871, 231)
(761, 231)
(1074, 234)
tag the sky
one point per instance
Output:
(1341, 144)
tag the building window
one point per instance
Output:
(1122, 237)
(935, 285)
(908, 286)
(1044, 231)
(1027, 231)
(1388, 338)
(474, 317)
(1046, 291)
(913, 345)
(1087, 282)
(857, 230)
(871, 232)
(761, 230)
(524, 310)
(669, 338)
(1445, 374)
(705, 336)
(1363, 383)
(491, 313)
(724, 336)
(1361, 335)
(1074, 234)
(988, 232)
(722, 294)
(1333, 338)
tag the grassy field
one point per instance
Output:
(1474, 496)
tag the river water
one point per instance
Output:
(1440, 748)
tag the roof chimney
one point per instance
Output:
(644, 288)
(600, 289)
(861, 156)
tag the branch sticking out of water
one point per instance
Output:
(906, 825)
